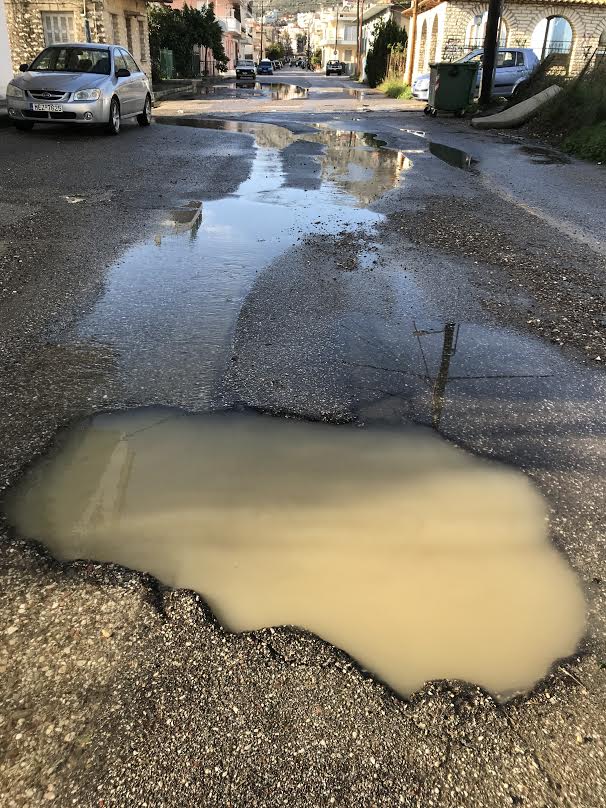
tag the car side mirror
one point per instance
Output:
(122, 73)
(24, 68)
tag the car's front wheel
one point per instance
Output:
(24, 126)
(113, 124)
(144, 119)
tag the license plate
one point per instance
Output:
(47, 107)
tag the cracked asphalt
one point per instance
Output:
(118, 691)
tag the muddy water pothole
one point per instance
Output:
(415, 557)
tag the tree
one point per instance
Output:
(275, 51)
(301, 43)
(180, 30)
(286, 44)
(387, 35)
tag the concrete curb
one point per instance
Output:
(516, 116)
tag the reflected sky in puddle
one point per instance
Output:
(170, 306)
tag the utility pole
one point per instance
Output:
(490, 50)
(412, 41)
(261, 54)
(337, 32)
(439, 387)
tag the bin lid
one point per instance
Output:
(463, 65)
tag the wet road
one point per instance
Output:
(447, 278)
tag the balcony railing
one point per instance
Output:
(231, 25)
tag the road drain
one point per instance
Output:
(418, 559)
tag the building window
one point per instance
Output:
(142, 48)
(553, 37)
(349, 55)
(115, 29)
(129, 33)
(349, 33)
(476, 33)
(58, 28)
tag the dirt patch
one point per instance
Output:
(553, 285)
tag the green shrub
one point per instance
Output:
(395, 88)
(387, 34)
(588, 142)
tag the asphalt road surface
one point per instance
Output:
(344, 242)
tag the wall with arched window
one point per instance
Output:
(569, 31)
(553, 37)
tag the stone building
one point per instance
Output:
(572, 30)
(34, 24)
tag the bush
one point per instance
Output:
(576, 118)
(589, 143)
(387, 34)
(179, 30)
(395, 88)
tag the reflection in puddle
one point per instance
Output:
(545, 156)
(357, 162)
(452, 156)
(247, 89)
(170, 307)
(415, 557)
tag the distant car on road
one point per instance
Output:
(265, 68)
(334, 67)
(514, 66)
(245, 69)
(80, 83)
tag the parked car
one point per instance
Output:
(514, 66)
(265, 67)
(245, 69)
(80, 84)
(334, 67)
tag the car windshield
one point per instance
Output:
(245, 63)
(65, 59)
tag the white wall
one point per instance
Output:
(6, 70)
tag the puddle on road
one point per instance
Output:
(448, 154)
(170, 307)
(248, 89)
(542, 155)
(417, 558)
(454, 157)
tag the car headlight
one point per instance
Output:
(12, 91)
(87, 95)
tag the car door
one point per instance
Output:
(123, 85)
(509, 69)
(139, 85)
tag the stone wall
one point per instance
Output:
(26, 30)
(117, 11)
(6, 67)
(454, 19)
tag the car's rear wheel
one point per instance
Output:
(24, 126)
(114, 122)
(144, 119)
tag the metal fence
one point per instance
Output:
(167, 67)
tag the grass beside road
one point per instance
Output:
(576, 119)
(395, 88)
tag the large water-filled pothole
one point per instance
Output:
(417, 558)
(247, 89)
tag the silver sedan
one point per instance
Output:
(81, 84)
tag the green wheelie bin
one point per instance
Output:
(451, 87)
